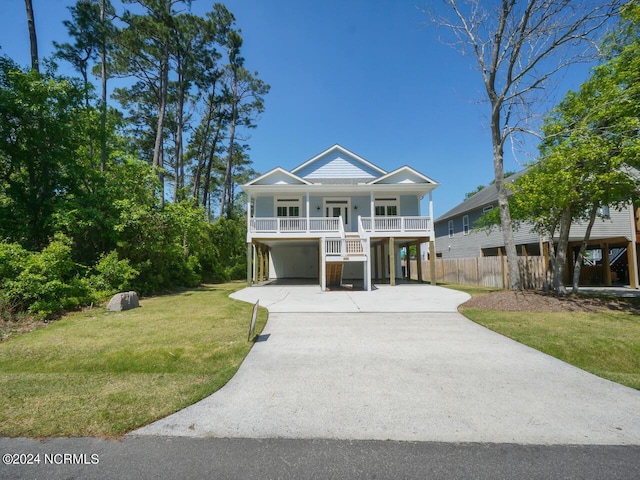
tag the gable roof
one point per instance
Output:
(487, 196)
(338, 162)
(403, 174)
(278, 176)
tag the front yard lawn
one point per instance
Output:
(598, 334)
(104, 374)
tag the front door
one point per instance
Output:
(338, 208)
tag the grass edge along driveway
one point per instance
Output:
(605, 343)
(99, 373)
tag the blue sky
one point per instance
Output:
(370, 75)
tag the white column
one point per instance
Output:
(367, 270)
(248, 217)
(308, 224)
(372, 199)
(323, 264)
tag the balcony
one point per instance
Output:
(299, 227)
(385, 226)
(313, 227)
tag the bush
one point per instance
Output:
(113, 275)
(46, 282)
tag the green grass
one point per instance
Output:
(605, 343)
(104, 374)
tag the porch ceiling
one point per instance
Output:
(297, 242)
(325, 189)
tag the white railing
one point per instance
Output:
(395, 224)
(345, 247)
(296, 225)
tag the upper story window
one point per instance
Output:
(288, 207)
(488, 208)
(465, 225)
(386, 206)
(604, 211)
(450, 228)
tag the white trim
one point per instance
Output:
(278, 170)
(342, 201)
(466, 228)
(386, 201)
(399, 170)
(291, 201)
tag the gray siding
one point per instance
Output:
(464, 246)
(619, 225)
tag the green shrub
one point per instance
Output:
(113, 275)
(48, 282)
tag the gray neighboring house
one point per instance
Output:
(613, 246)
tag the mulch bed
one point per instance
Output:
(534, 301)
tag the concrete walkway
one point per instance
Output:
(386, 370)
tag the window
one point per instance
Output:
(450, 228)
(604, 211)
(385, 207)
(488, 208)
(288, 207)
(465, 225)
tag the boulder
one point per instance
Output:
(123, 301)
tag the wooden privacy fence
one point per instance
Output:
(484, 271)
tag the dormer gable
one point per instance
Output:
(403, 175)
(338, 163)
(278, 176)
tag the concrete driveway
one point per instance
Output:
(384, 369)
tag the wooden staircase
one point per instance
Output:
(334, 273)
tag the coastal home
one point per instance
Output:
(337, 218)
(612, 252)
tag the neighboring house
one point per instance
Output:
(335, 217)
(613, 246)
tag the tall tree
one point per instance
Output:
(143, 52)
(42, 128)
(245, 92)
(591, 143)
(519, 46)
(84, 28)
(33, 39)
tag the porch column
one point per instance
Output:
(432, 261)
(431, 224)
(249, 264)
(375, 260)
(323, 263)
(632, 249)
(307, 208)
(254, 270)
(383, 262)
(392, 262)
(606, 261)
(260, 262)
(419, 260)
(632, 260)
(372, 206)
(367, 270)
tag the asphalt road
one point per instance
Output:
(214, 458)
